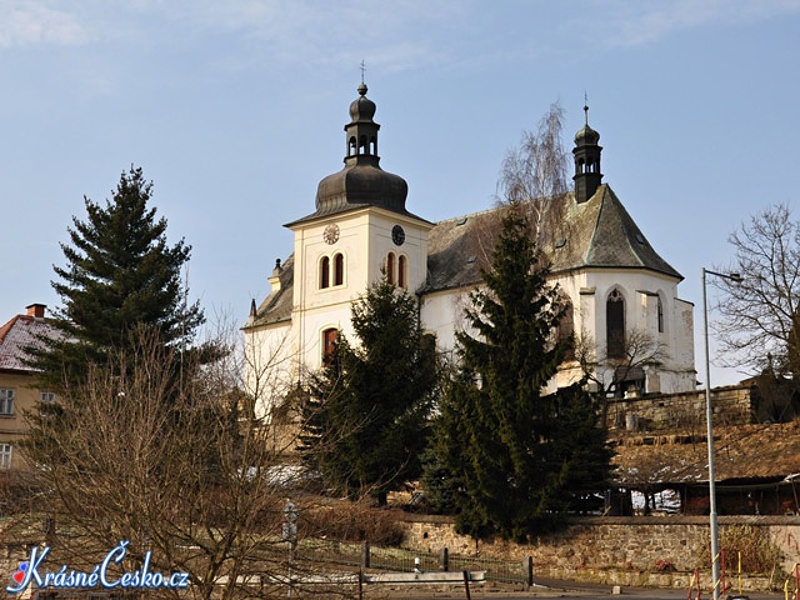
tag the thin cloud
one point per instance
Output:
(31, 23)
(321, 33)
(634, 24)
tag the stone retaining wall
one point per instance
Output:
(733, 405)
(654, 551)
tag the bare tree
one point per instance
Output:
(530, 175)
(537, 169)
(606, 372)
(760, 315)
(180, 467)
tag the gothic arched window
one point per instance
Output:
(615, 325)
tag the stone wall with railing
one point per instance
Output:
(649, 551)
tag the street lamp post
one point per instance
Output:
(712, 488)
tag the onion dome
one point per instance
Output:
(361, 182)
(587, 136)
(362, 108)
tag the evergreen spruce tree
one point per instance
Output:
(122, 280)
(508, 458)
(366, 419)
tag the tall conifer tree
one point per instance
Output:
(366, 420)
(121, 278)
(508, 458)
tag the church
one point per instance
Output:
(635, 335)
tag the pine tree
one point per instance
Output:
(121, 277)
(366, 420)
(508, 457)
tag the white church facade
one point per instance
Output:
(633, 329)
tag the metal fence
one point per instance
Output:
(396, 559)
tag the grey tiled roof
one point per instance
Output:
(277, 307)
(598, 233)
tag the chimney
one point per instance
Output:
(36, 310)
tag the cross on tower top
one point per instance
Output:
(586, 106)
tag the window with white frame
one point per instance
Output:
(5, 456)
(6, 401)
(47, 397)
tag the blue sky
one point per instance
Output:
(235, 109)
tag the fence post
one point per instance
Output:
(365, 554)
(527, 566)
(444, 560)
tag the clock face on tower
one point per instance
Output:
(331, 234)
(398, 235)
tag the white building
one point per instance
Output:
(624, 296)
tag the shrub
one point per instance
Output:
(354, 522)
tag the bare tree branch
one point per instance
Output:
(760, 314)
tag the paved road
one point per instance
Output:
(553, 589)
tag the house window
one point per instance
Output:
(6, 402)
(47, 397)
(660, 311)
(615, 325)
(5, 456)
(390, 268)
(329, 337)
(338, 269)
(325, 273)
(401, 271)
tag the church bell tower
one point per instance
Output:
(587, 161)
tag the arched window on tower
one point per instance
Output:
(615, 325)
(362, 145)
(352, 147)
(325, 273)
(373, 144)
(390, 268)
(329, 337)
(338, 269)
(402, 276)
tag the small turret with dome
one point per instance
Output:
(361, 182)
(587, 161)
